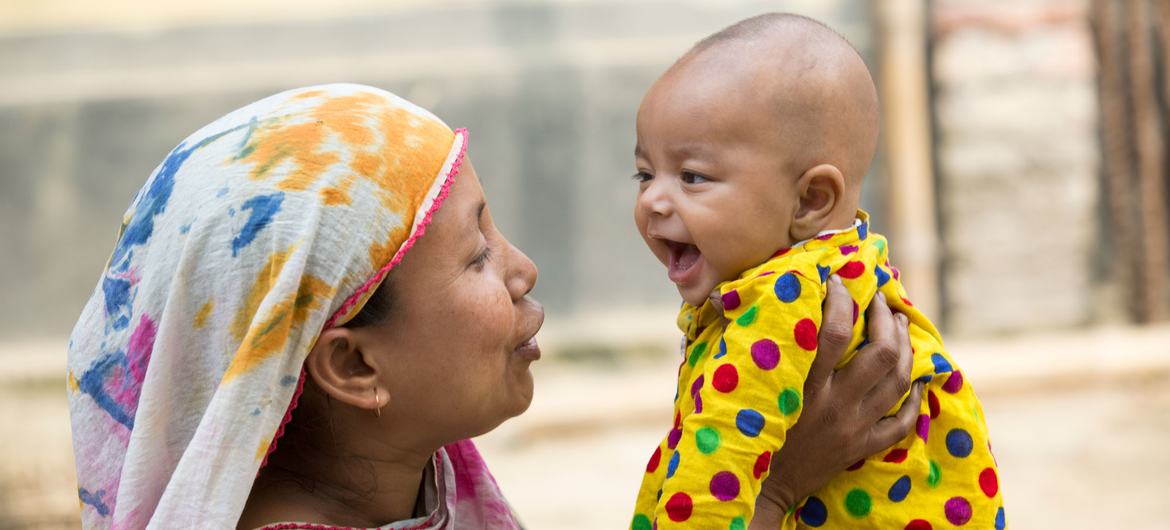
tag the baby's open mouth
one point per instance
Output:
(683, 259)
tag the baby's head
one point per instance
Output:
(754, 140)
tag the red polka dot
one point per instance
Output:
(851, 270)
(919, 524)
(932, 401)
(806, 334)
(762, 463)
(679, 507)
(726, 378)
(988, 482)
(655, 459)
(857, 465)
(907, 302)
(677, 419)
(896, 456)
(781, 252)
(856, 311)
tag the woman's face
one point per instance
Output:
(461, 335)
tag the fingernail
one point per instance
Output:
(903, 320)
(881, 297)
(836, 280)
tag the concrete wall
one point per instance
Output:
(1018, 157)
(547, 89)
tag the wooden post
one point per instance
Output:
(1108, 18)
(910, 196)
(1151, 152)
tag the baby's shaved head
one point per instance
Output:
(812, 80)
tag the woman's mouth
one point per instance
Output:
(528, 350)
(683, 261)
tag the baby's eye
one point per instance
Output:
(693, 178)
(642, 176)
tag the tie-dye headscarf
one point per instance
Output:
(257, 232)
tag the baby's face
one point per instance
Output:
(714, 195)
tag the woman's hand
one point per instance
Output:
(842, 420)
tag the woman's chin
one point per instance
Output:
(525, 388)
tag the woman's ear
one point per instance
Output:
(819, 190)
(340, 368)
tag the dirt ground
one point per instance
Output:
(1077, 451)
(1076, 456)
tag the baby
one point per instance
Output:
(750, 156)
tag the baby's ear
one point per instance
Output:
(819, 191)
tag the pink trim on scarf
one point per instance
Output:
(376, 279)
(422, 229)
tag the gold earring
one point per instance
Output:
(377, 403)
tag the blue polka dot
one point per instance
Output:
(722, 349)
(1000, 520)
(924, 379)
(882, 276)
(900, 489)
(672, 466)
(863, 231)
(749, 422)
(941, 365)
(787, 287)
(814, 513)
(824, 272)
(959, 443)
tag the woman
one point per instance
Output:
(252, 276)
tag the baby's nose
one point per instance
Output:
(654, 199)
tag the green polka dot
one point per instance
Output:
(737, 524)
(707, 439)
(789, 401)
(975, 411)
(697, 352)
(881, 246)
(748, 316)
(935, 475)
(641, 522)
(858, 503)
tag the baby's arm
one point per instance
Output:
(749, 396)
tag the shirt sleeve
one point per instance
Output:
(748, 395)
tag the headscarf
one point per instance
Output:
(257, 232)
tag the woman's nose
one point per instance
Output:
(522, 273)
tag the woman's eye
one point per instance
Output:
(642, 176)
(482, 258)
(693, 178)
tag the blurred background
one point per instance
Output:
(1022, 181)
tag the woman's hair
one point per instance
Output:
(377, 308)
